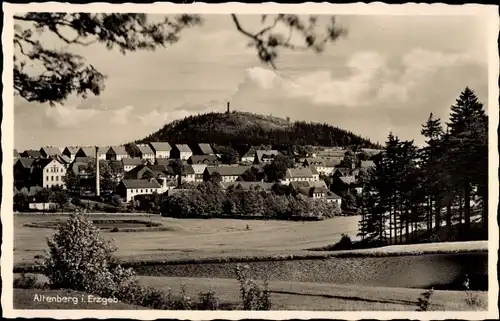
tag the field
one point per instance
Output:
(386, 278)
(195, 238)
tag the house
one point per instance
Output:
(48, 172)
(198, 172)
(265, 156)
(181, 151)
(129, 188)
(300, 174)
(160, 149)
(342, 184)
(146, 152)
(324, 165)
(202, 149)
(227, 173)
(102, 152)
(342, 171)
(316, 190)
(211, 160)
(129, 163)
(65, 160)
(49, 151)
(23, 169)
(89, 152)
(188, 175)
(70, 152)
(116, 153)
(31, 153)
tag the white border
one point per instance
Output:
(490, 14)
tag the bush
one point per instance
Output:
(25, 281)
(254, 297)
(345, 243)
(208, 301)
(472, 299)
(424, 302)
(114, 229)
(79, 259)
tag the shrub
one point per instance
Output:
(114, 229)
(25, 281)
(344, 243)
(79, 259)
(254, 297)
(184, 302)
(471, 299)
(208, 301)
(424, 302)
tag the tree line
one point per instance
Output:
(414, 190)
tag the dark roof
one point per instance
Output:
(26, 162)
(188, 170)
(132, 161)
(118, 150)
(42, 162)
(324, 161)
(82, 160)
(50, 151)
(183, 148)
(140, 183)
(266, 154)
(204, 159)
(145, 149)
(71, 149)
(205, 149)
(31, 153)
(332, 195)
(298, 172)
(227, 170)
(160, 146)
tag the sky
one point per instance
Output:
(387, 74)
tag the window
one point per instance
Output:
(47, 178)
(57, 178)
(51, 178)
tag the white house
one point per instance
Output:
(265, 156)
(248, 157)
(189, 175)
(303, 174)
(146, 152)
(198, 171)
(129, 163)
(161, 149)
(128, 188)
(324, 165)
(181, 151)
(49, 172)
(116, 153)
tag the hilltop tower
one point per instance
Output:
(228, 108)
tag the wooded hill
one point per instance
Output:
(242, 128)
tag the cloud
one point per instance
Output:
(121, 116)
(69, 116)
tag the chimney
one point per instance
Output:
(97, 173)
(228, 107)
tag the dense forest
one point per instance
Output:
(241, 128)
(440, 190)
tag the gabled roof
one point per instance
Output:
(160, 146)
(140, 183)
(50, 151)
(82, 160)
(71, 149)
(145, 149)
(164, 161)
(87, 151)
(266, 154)
(63, 159)
(348, 179)
(343, 170)
(308, 184)
(227, 170)
(43, 162)
(188, 170)
(183, 148)
(117, 150)
(204, 159)
(324, 161)
(32, 153)
(25, 162)
(198, 168)
(299, 173)
(206, 149)
(132, 161)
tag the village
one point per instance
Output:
(329, 173)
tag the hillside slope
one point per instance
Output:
(241, 128)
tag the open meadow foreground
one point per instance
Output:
(237, 161)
